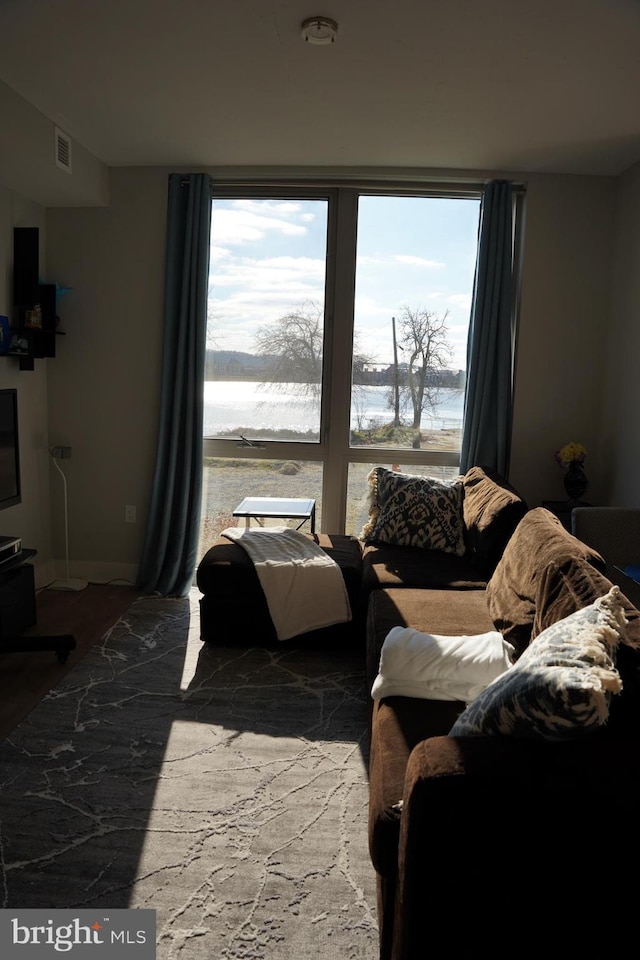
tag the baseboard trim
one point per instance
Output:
(124, 574)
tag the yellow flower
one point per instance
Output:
(571, 453)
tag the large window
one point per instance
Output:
(266, 315)
(337, 331)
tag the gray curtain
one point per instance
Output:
(170, 550)
(488, 401)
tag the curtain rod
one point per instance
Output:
(450, 187)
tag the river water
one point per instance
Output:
(230, 405)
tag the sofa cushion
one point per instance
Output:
(414, 511)
(561, 686)
(398, 725)
(491, 510)
(438, 667)
(387, 565)
(538, 540)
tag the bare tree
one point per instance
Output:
(295, 343)
(424, 342)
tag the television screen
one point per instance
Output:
(9, 449)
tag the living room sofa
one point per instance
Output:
(467, 830)
(234, 609)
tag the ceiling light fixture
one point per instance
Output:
(319, 30)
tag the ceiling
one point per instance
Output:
(508, 85)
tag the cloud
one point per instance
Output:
(248, 289)
(245, 292)
(266, 273)
(406, 258)
(281, 207)
(460, 300)
(250, 220)
(245, 226)
(414, 261)
(218, 253)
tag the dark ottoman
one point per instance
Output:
(233, 608)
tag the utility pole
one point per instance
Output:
(396, 378)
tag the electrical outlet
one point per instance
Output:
(130, 514)
(61, 453)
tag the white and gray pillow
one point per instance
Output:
(561, 686)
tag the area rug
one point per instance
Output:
(223, 787)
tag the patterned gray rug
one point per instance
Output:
(226, 788)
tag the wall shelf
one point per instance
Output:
(33, 326)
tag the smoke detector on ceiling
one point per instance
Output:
(319, 30)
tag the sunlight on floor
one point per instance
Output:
(194, 644)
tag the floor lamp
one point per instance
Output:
(69, 583)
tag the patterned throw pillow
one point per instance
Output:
(415, 511)
(561, 686)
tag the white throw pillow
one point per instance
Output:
(432, 667)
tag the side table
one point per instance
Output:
(284, 508)
(562, 509)
(18, 611)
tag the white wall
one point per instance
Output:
(104, 385)
(102, 389)
(563, 331)
(31, 519)
(620, 435)
(28, 159)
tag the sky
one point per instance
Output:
(268, 257)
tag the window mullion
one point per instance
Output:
(337, 408)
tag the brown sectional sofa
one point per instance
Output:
(493, 842)
(233, 608)
(466, 827)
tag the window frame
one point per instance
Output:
(334, 448)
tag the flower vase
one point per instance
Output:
(575, 481)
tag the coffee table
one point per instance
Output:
(284, 508)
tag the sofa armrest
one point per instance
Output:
(489, 824)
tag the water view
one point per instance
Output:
(412, 289)
(237, 404)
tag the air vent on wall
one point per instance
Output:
(63, 151)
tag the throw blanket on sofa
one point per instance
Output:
(303, 586)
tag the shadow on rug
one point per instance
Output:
(224, 788)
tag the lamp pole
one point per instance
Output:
(396, 378)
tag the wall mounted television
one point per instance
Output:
(10, 490)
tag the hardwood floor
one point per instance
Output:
(86, 614)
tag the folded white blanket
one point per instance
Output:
(304, 588)
(432, 667)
